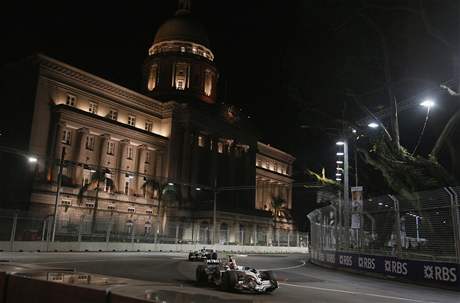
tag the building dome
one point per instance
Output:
(182, 27)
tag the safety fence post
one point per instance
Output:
(13, 231)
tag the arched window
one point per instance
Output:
(204, 233)
(223, 239)
(181, 76)
(242, 234)
(208, 79)
(153, 75)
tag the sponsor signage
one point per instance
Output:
(439, 273)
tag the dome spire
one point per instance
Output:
(184, 6)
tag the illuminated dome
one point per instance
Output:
(182, 27)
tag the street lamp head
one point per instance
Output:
(170, 183)
(198, 188)
(373, 125)
(353, 131)
(428, 103)
(32, 159)
(340, 143)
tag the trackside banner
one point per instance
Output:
(436, 273)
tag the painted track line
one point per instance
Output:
(286, 268)
(358, 293)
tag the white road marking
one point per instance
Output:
(285, 268)
(357, 293)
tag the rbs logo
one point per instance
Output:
(346, 260)
(440, 273)
(396, 267)
(366, 263)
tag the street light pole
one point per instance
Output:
(346, 195)
(214, 213)
(58, 193)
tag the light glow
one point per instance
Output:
(427, 103)
(339, 162)
(32, 159)
(339, 154)
(340, 143)
(373, 125)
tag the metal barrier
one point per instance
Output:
(17, 227)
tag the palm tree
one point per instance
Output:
(165, 192)
(277, 205)
(98, 177)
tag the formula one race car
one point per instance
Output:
(240, 278)
(202, 254)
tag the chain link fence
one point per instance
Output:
(425, 227)
(19, 226)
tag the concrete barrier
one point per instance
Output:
(28, 290)
(117, 246)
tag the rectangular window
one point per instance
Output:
(220, 147)
(66, 202)
(147, 157)
(130, 152)
(70, 100)
(148, 126)
(111, 207)
(200, 141)
(90, 204)
(127, 187)
(90, 142)
(110, 148)
(86, 177)
(132, 120)
(92, 107)
(131, 209)
(108, 183)
(113, 114)
(66, 136)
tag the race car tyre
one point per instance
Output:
(214, 256)
(229, 280)
(201, 276)
(269, 275)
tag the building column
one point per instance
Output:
(139, 168)
(79, 153)
(121, 164)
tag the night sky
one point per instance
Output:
(286, 63)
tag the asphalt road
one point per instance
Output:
(299, 282)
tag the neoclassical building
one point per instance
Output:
(153, 162)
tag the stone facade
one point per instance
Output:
(144, 165)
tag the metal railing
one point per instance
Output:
(423, 228)
(19, 226)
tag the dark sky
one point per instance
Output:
(286, 63)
